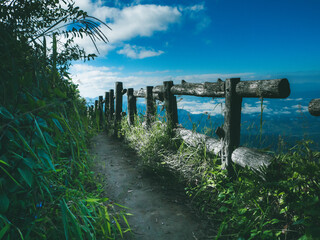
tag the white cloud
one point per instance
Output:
(127, 23)
(94, 81)
(197, 13)
(249, 109)
(137, 52)
(197, 106)
(142, 20)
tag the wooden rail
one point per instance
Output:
(233, 90)
(314, 107)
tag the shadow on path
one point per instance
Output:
(159, 211)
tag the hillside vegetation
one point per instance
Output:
(284, 204)
(47, 190)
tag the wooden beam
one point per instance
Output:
(207, 89)
(232, 121)
(111, 104)
(150, 112)
(100, 111)
(170, 103)
(142, 93)
(276, 88)
(131, 106)
(314, 107)
(106, 106)
(118, 110)
(245, 157)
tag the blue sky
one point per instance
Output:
(154, 41)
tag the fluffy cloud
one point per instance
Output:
(94, 81)
(136, 52)
(199, 106)
(127, 23)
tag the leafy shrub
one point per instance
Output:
(47, 190)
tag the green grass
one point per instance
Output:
(283, 206)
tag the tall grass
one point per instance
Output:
(284, 205)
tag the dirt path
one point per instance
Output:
(159, 211)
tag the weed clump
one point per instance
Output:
(284, 204)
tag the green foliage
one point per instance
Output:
(47, 190)
(282, 205)
(151, 142)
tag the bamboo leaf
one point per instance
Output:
(57, 123)
(44, 156)
(5, 113)
(118, 226)
(12, 178)
(49, 139)
(26, 144)
(26, 174)
(63, 206)
(4, 230)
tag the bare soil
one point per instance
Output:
(159, 207)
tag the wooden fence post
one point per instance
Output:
(131, 106)
(96, 107)
(150, 112)
(170, 103)
(91, 112)
(106, 106)
(232, 121)
(111, 104)
(100, 111)
(118, 88)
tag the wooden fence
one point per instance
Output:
(233, 90)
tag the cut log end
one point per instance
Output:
(284, 88)
(314, 107)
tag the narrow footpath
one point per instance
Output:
(160, 211)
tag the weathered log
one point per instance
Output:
(314, 107)
(242, 156)
(150, 105)
(118, 88)
(142, 93)
(275, 88)
(106, 105)
(131, 106)
(194, 139)
(100, 110)
(170, 103)
(207, 89)
(252, 158)
(232, 121)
